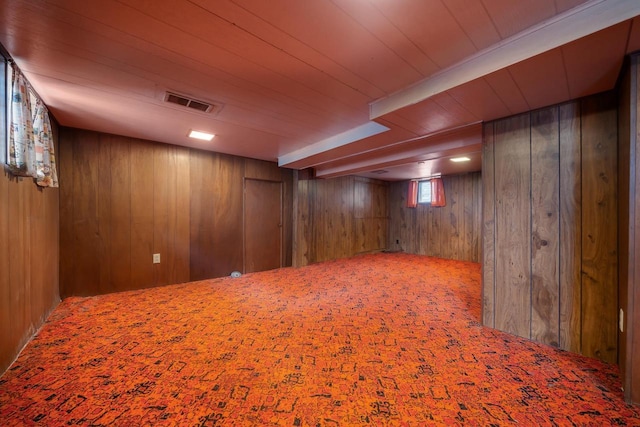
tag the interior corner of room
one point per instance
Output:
(548, 203)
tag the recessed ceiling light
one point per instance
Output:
(460, 159)
(201, 135)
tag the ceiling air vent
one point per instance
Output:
(185, 101)
(379, 171)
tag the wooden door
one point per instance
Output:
(262, 225)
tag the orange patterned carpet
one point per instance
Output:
(384, 339)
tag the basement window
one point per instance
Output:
(424, 191)
(27, 145)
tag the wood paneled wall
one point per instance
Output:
(217, 210)
(550, 229)
(452, 231)
(29, 255)
(629, 228)
(124, 199)
(339, 217)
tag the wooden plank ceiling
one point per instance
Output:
(301, 81)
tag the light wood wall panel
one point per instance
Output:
(337, 218)
(488, 229)
(513, 226)
(545, 226)
(124, 199)
(452, 231)
(29, 255)
(554, 231)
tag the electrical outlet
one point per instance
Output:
(156, 258)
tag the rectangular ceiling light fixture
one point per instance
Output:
(201, 135)
(460, 159)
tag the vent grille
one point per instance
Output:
(379, 171)
(185, 101)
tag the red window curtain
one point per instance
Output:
(412, 194)
(437, 193)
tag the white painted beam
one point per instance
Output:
(588, 18)
(360, 132)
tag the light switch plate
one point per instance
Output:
(156, 258)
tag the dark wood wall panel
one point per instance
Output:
(262, 225)
(570, 227)
(143, 221)
(301, 220)
(124, 207)
(103, 205)
(125, 199)
(629, 228)
(371, 201)
(118, 260)
(216, 214)
(337, 218)
(202, 209)
(599, 239)
(403, 234)
(227, 228)
(29, 255)
(182, 242)
(171, 235)
(451, 231)
(333, 226)
(85, 242)
(554, 232)
(625, 197)
(632, 373)
(164, 229)
(257, 169)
